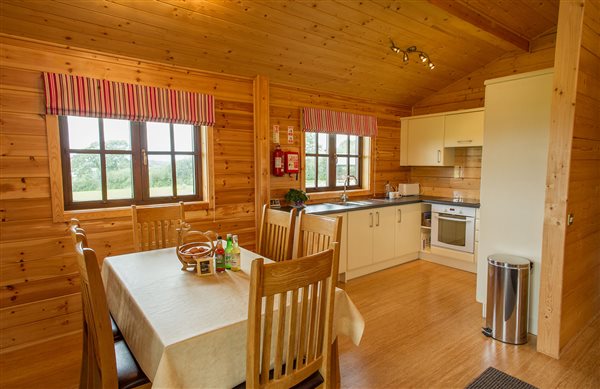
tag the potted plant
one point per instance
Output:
(296, 197)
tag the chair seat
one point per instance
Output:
(128, 371)
(115, 330)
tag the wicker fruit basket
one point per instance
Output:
(194, 247)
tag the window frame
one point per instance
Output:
(332, 156)
(140, 171)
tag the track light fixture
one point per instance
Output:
(412, 49)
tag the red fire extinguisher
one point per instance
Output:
(278, 162)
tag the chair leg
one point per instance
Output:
(335, 366)
(83, 375)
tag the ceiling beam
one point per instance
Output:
(464, 12)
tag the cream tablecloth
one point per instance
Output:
(187, 331)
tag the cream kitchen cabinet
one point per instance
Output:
(408, 230)
(422, 142)
(379, 238)
(464, 129)
(370, 236)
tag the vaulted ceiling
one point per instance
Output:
(341, 46)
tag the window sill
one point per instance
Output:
(321, 196)
(115, 212)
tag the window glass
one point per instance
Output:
(341, 170)
(119, 176)
(310, 142)
(331, 160)
(110, 162)
(84, 133)
(117, 134)
(183, 135)
(185, 173)
(158, 136)
(341, 144)
(310, 168)
(353, 140)
(160, 175)
(323, 172)
(322, 142)
(86, 177)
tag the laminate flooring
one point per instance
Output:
(423, 330)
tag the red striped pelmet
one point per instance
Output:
(84, 96)
(324, 120)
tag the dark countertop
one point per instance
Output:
(353, 205)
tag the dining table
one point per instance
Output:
(187, 331)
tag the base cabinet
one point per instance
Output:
(407, 229)
(382, 237)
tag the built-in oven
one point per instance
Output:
(453, 227)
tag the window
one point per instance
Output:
(112, 162)
(330, 158)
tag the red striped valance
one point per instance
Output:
(324, 120)
(83, 96)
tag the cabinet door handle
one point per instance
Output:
(399, 216)
(371, 219)
(439, 156)
(377, 225)
(465, 141)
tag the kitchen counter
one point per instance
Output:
(352, 205)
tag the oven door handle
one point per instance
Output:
(466, 220)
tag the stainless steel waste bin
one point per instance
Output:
(507, 298)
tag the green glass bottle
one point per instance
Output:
(228, 252)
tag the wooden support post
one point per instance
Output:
(566, 60)
(262, 158)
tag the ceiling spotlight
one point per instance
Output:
(412, 49)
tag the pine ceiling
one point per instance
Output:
(341, 46)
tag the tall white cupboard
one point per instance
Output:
(513, 175)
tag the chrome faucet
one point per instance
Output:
(344, 196)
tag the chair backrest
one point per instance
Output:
(304, 326)
(316, 233)
(95, 311)
(275, 238)
(156, 227)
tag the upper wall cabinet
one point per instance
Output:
(422, 142)
(429, 140)
(464, 129)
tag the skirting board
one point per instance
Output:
(447, 261)
(350, 274)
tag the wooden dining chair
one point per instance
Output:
(106, 363)
(315, 233)
(156, 227)
(307, 333)
(275, 238)
(74, 228)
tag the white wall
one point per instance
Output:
(513, 175)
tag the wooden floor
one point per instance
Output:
(422, 331)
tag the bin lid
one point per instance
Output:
(510, 261)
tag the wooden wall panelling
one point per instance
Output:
(581, 268)
(286, 103)
(39, 284)
(569, 294)
(461, 180)
(468, 92)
